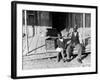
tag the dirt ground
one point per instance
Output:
(29, 63)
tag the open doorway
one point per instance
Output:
(59, 20)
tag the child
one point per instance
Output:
(61, 47)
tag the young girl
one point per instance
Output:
(60, 48)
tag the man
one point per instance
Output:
(61, 47)
(75, 43)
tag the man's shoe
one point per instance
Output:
(58, 60)
(64, 60)
(80, 61)
(68, 60)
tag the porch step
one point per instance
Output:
(39, 56)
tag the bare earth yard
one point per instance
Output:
(30, 63)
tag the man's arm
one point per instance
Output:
(80, 38)
(69, 35)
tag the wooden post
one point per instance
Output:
(26, 31)
(83, 28)
(69, 21)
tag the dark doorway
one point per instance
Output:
(59, 20)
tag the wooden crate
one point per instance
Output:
(50, 44)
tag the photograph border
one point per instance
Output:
(14, 38)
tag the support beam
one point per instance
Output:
(26, 31)
(83, 28)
